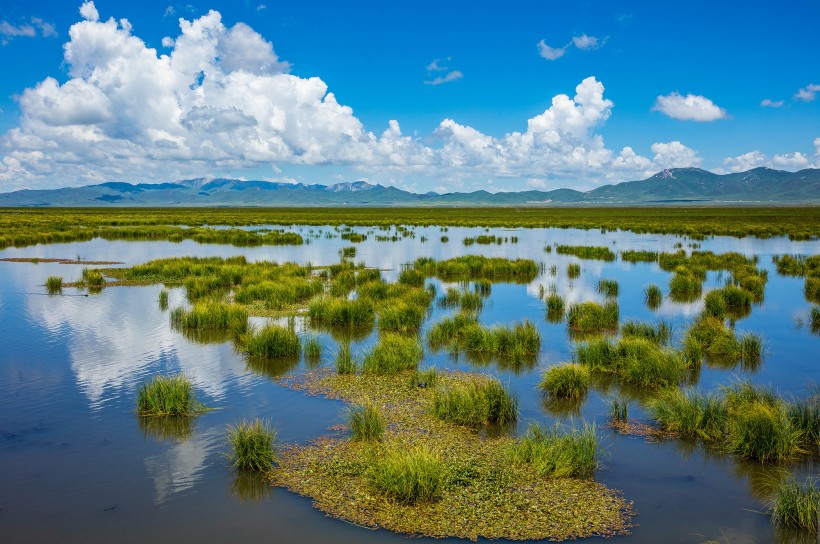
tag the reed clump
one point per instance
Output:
(637, 361)
(366, 423)
(167, 396)
(567, 381)
(653, 297)
(608, 288)
(557, 452)
(796, 505)
(593, 318)
(272, 341)
(210, 316)
(345, 363)
(476, 403)
(163, 300)
(573, 270)
(477, 267)
(393, 353)
(601, 253)
(521, 341)
(342, 313)
(252, 445)
(54, 284)
(408, 476)
(660, 333)
(555, 308)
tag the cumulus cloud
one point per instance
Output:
(89, 11)
(807, 93)
(674, 155)
(785, 161)
(550, 53)
(587, 43)
(769, 103)
(691, 107)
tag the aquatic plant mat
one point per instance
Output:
(483, 492)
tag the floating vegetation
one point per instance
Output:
(568, 381)
(252, 445)
(653, 297)
(796, 505)
(573, 270)
(608, 288)
(54, 285)
(365, 422)
(393, 353)
(601, 253)
(167, 396)
(477, 267)
(480, 494)
(557, 452)
(593, 318)
(271, 341)
(476, 403)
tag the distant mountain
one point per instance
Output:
(673, 186)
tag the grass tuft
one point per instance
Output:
(394, 353)
(408, 476)
(272, 341)
(557, 452)
(476, 403)
(167, 396)
(366, 423)
(253, 445)
(568, 381)
(796, 505)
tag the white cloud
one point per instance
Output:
(33, 28)
(785, 161)
(89, 11)
(691, 107)
(550, 53)
(817, 146)
(167, 41)
(746, 161)
(587, 43)
(674, 155)
(791, 161)
(807, 93)
(436, 67)
(769, 103)
(455, 75)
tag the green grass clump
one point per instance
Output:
(690, 413)
(366, 423)
(714, 304)
(54, 284)
(811, 289)
(568, 381)
(408, 476)
(167, 396)
(312, 348)
(163, 300)
(411, 277)
(636, 361)
(710, 337)
(463, 331)
(210, 316)
(558, 453)
(602, 253)
(555, 308)
(653, 297)
(660, 333)
(93, 278)
(685, 285)
(796, 505)
(424, 378)
(345, 363)
(573, 270)
(804, 415)
(639, 256)
(618, 410)
(342, 313)
(593, 318)
(477, 267)
(476, 403)
(272, 341)
(393, 353)
(763, 432)
(252, 445)
(814, 319)
(348, 251)
(729, 300)
(400, 317)
(608, 288)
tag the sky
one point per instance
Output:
(441, 96)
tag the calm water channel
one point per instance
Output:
(77, 466)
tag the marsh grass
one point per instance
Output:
(639, 256)
(345, 363)
(163, 300)
(252, 445)
(54, 285)
(796, 505)
(167, 396)
(602, 253)
(558, 452)
(93, 278)
(660, 334)
(366, 423)
(608, 288)
(653, 297)
(400, 317)
(763, 432)
(709, 337)
(636, 361)
(690, 413)
(573, 270)
(593, 318)
(804, 415)
(210, 316)
(814, 318)
(424, 378)
(312, 349)
(271, 341)
(555, 308)
(408, 475)
(393, 353)
(478, 267)
(519, 342)
(476, 403)
(568, 381)
(618, 410)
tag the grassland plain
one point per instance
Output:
(27, 226)
(464, 485)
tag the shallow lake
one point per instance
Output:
(76, 464)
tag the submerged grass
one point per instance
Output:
(252, 445)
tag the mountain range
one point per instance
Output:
(673, 186)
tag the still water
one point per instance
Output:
(76, 464)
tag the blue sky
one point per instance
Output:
(645, 85)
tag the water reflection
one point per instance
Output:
(165, 428)
(181, 465)
(250, 487)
